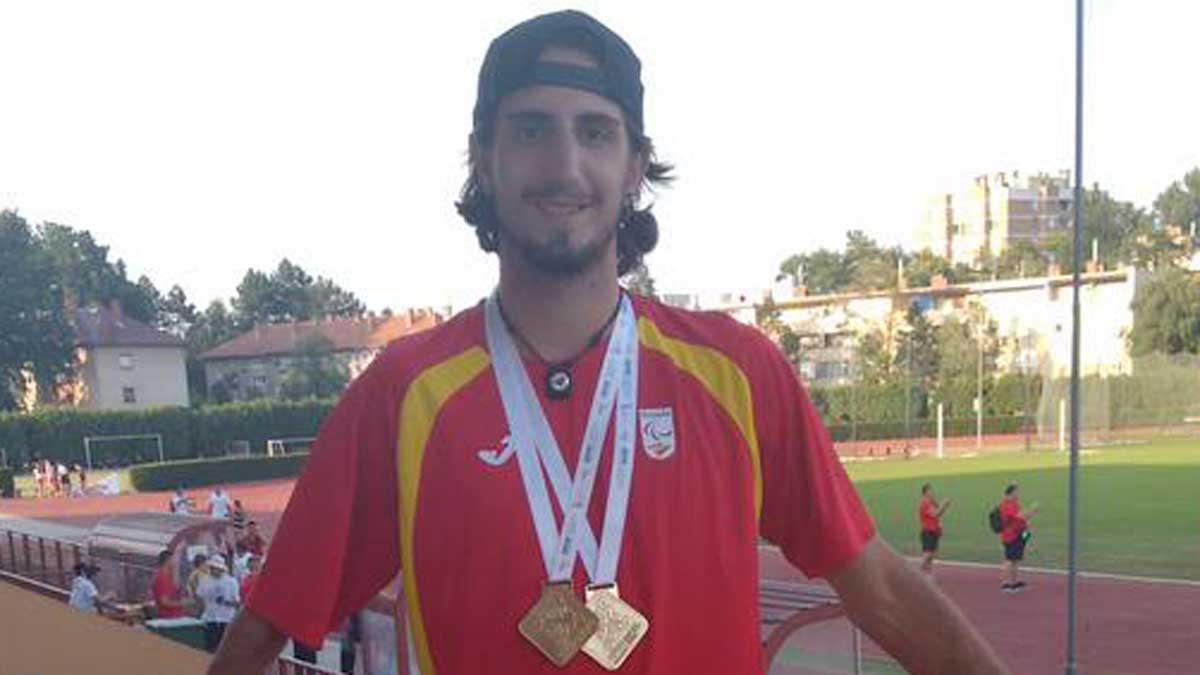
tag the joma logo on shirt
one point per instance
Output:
(498, 457)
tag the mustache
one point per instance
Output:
(558, 191)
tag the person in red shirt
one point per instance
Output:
(168, 599)
(1013, 537)
(565, 442)
(929, 512)
(253, 566)
(253, 541)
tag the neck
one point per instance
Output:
(558, 316)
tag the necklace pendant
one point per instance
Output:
(558, 382)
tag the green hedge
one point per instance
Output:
(198, 472)
(8, 489)
(58, 433)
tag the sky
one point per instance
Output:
(199, 140)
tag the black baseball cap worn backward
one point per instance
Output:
(512, 63)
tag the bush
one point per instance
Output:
(198, 472)
(7, 487)
(57, 433)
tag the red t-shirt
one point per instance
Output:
(1014, 524)
(930, 522)
(747, 456)
(247, 585)
(164, 589)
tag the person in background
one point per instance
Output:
(199, 571)
(253, 565)
(39, 479)
(63, 486)
(253, 541)
(929, 513)
(1013, 537)
(180, 503)
(85, 596)
(168, 598)
(239, 517)
(219, 593)
(218, 503)
(351, 636)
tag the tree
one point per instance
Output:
(960, 341)
(1021, 259)
(210, 328)
(35, 336)
(821, 272)
(175, 314)
(769, 320)
(314, 372)
(1179, 204)
(921, 268)
(639, 281)
(86, 276)
(1166, 314)
(290, 294)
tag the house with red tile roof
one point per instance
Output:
(254, 364)
(124, 364)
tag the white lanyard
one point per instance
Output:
(530, 431)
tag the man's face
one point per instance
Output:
(558, 168)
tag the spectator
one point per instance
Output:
(241, 561)
(39, 479)
(180, 503)
(199, 571)
(1014, 535)
(929, 512)
(84, 594)
(63, 486)
(351, 636)
(239, 517)
(219, 593)
(253, 565)
(218, 503)
(168, 600)
(253, 541)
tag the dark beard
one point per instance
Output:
(556, 259)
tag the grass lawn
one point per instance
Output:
(1139, 505)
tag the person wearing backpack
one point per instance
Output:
(1014, 533)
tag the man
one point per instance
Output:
(253, 541)
(253, 566)
(84, 595)
(929, 513)
(180, 503)
(1013, 537)
(552, 377)
(218, 503)
(199, 571)
(219, 593)
(168, 600)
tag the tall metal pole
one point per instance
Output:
(1073, 480)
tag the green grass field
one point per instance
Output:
(1139, 505)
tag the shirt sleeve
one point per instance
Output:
(337, 543)
(810, 509)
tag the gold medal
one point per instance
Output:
(621, 627)
(558, 624)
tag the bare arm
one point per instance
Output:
(909, 617)
(249, 646)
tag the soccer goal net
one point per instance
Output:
(122, 450)
(277, 447)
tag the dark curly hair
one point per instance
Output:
(637, 230)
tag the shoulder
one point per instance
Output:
(406, 358)
(665, 327)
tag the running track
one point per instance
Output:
(1125, 627)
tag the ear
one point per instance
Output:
(639, 162)
(479, 157)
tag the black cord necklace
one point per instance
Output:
(559, 380)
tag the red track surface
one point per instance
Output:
(1125, 627)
